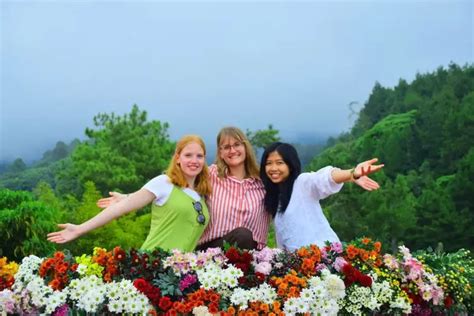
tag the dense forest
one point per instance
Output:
(423, 131)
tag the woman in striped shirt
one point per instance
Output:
(236, 203)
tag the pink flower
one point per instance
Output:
(264, 268)
(321, 267)
(339, 263)
(415, 267)
(324, 253)
(390, 262)
(336, 247)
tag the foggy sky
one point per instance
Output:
(203, 65)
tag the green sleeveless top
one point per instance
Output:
(174, 224)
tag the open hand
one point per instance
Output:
(367, 183)
(69, 232)
(115, 197)
(367, 167)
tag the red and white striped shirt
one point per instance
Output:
(236, 203)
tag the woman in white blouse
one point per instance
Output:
(292, 197)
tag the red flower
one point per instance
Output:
(135, 259)
(365, 280)
(260, 276)
(213, 308)
(119, 254)
(214, 297)
(232, 254)
(74, 267)
(165, 303)
(448, 301)
(246, 257)
(243, 266)
(141, 285)
(172, 312)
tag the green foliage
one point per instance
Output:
(261, 138)
(59, 152)
(17, 166)
(424, 134)
(24, 224)
(129, 231)
(21, 177)
(122, 153)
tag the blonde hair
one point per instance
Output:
(202, 185)
(251, 166)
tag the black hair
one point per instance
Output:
(280, 193)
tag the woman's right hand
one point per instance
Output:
(69, 232)
(115, 197)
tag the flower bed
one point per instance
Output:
(353, 279)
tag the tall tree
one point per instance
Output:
(123, 152)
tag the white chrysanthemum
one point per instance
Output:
(335, 286)
(401, 303)
(240, 297)
(213, 276)
(126, 298)
(81, 269)
(39, 291)
(27, 271)
(263, 293)
(56, 299)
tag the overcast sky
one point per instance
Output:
(202, 65)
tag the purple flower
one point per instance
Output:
(187, 281)
(61, 310)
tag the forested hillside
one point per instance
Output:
(424, 133)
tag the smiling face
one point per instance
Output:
(232, 151)
(276, 168)
(191, 160)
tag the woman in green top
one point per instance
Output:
(179, 213)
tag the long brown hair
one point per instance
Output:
(251, 166)
(202, 184)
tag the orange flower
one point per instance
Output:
(377, 246)
(364, 255)
(276, 306)
(231, 310)
(303, 252)
(281, 292)
(351, 251)
(255, 305)
(62, 268)
(55, 284)
(58, 255)
(366, 240)
(264, 308)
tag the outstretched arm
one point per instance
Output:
(132, 202)
(115, 197)
(359, 174)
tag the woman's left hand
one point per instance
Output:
(367, 183)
